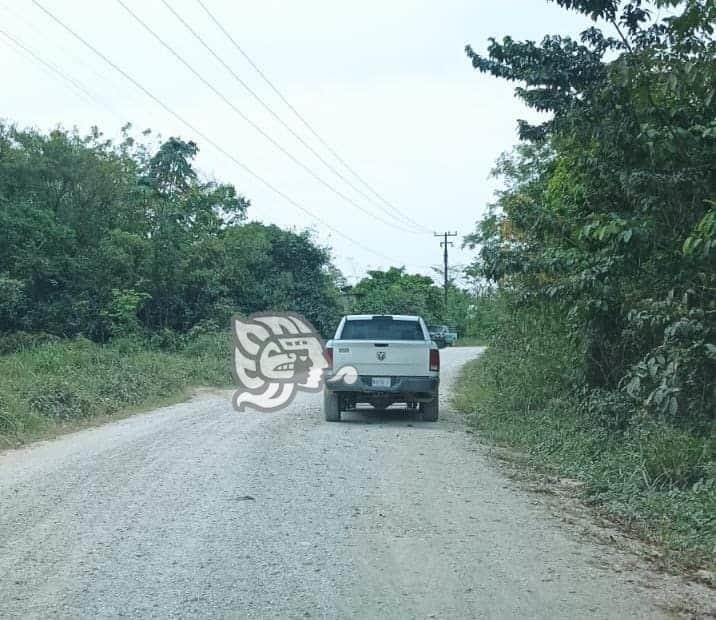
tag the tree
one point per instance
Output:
(101, 239)
(396, 292)
(605, 201)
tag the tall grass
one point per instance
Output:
(67, 383)
(657, 479)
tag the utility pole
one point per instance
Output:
(444, 244)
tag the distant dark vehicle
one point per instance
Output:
(451, 336)
(439, 335)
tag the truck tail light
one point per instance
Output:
(328, 354)
(434, 360)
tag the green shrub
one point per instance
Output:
(166, 340)
(75, 380)
(654, 474)
(606, 409)
(60, 400)
(672, 458)
(21, 341)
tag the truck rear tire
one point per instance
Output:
(429, 411)
(331, 407)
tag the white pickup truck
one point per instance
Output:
(395, 361)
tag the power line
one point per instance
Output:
(257, 127)
(48, 70)
(330, 149)
(203, 136)
(39, 33)
(76, 84)
(71, 55)
(270, 110)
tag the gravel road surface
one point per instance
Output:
(195, 510)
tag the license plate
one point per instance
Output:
(380, 382)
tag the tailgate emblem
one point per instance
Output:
(380, 355)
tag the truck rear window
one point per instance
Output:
(381, 329)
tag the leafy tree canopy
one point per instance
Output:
(608, 205)
(100, 238)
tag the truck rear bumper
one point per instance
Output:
(426, 386)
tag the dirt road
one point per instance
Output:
(197, 511)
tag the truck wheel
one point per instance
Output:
(331, 408)
(429, 411)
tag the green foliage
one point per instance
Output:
(396, 292)
(73, 381)
(605, 228)
(13, 301)
(104, 240)
(608, 206)
(122, 311)
(702, 242)
(22, 341)
(525, 391)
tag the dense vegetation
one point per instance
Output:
(101, 239)
(120, 268)
(69, 383)
(603, 243)
(396, 292)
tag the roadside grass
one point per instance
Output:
(470, 341)
(58, 386)
(655, 480)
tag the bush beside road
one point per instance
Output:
(63, 385)
(653, 479)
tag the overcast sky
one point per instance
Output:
(385, 82)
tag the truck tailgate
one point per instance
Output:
(389, 358)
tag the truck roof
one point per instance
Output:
(367, 317)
